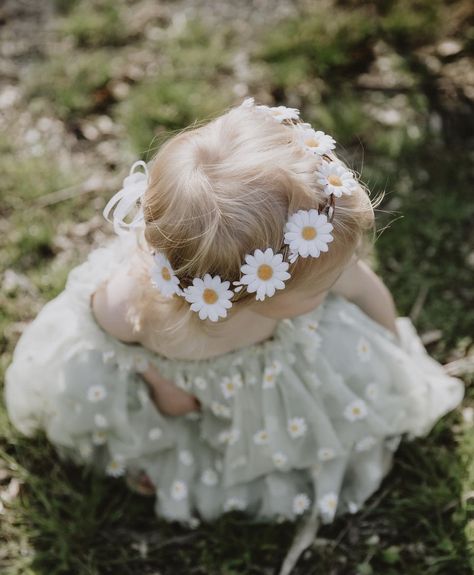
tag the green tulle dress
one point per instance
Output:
(304, 424)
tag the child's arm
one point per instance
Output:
(110, 304)
(359, 284)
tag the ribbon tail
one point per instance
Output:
(303, 539)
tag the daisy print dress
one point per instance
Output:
(304, 424)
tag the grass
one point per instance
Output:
(370, 73)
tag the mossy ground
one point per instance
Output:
(92, 84)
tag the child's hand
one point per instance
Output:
(170, 399)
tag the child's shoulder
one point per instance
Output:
(110, 304)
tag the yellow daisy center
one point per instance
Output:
(356, 410)
(309, 233)
(294, 427)
(165, 274)
(331, 504)
(210, 296)
(312, 143)
(335, 180)
(230, 386)
(265, 272)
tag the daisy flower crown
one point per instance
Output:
(307, 233)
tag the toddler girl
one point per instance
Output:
(229, 350)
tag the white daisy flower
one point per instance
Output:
(264, 273)
(234, 504)
(116, 466)
(179, 490)
(269, 377)
(155, 433)
(200, 383)
(220, 410)
(371, 391)
(336, 179)
(209, 477)
(163, 276)
(297, 427)
(365, 443)
(301, 503)
(210, 297)
(229, 385)
(261, 437)
(279, 459)
(364, 351)
(308, 233)
(96, 393)
(100, 420)
(310, 327)
(99, 437)
(186, 457)
(281, 113)
(223, 436)
(316, 142)
(328, 505)
(85, 450)
(356, 410)
(326, 453)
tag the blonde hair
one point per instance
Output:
(220, 191)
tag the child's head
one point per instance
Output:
(227, 188)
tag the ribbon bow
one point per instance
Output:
(125, 201)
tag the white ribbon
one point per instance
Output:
(124, 202)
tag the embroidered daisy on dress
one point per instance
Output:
(336, 179)
(186, 457)
(328, 505)
(310, 327)
(220, 410)
(100, 420)
(261, 437)
(179, 490)
(99, 437)
(210, 297)
(209, 477)
(365, 443)
(200, 383)
(155, 433)
(85, 450)
(316, 142)
(229, 385)
(326, 453)
(163, 276)
(264, 273)
(308, 233)
(356, 410)
(269, 377)
(96, 393)
(364, 351)
(297, 427)
(301, 503)
(234, 504)
(279, 459)
(116, 466)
